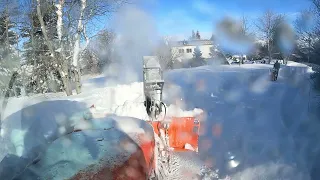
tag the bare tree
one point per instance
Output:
(305, 28)
(99, 52)
(244, 31)
(73, 17)
(267, 25)
(234, 36)
(166, 54)
(59, 33)
(244, 25)
(80, 15)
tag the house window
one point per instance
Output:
(181, 50)
(189, 50)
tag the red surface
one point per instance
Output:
(182, 130)
(139, 166)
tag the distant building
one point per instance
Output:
(186, 48)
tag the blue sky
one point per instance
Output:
(179, 17)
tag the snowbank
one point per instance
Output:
(258, 120)
(296, 64)
(50, 115)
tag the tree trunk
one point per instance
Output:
(64, 71)
(66, 82)
(269, 51)
(77, 81)
(67, 89)
(75, 63)
(65, 78)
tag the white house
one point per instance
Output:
(186, 48)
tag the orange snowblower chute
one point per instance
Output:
(182, 131)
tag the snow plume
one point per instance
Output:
(136, 37)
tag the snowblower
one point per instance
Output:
(176, 133)
(273, 74)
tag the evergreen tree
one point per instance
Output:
(193, 35)
(197, 60)
(198, 35)
(197, 54)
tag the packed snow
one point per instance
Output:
(254, 128)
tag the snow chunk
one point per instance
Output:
(189, 147)
(129, 125)
(175, 111)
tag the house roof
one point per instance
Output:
(194, 42)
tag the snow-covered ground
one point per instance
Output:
(270, 127)
(267, 125)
